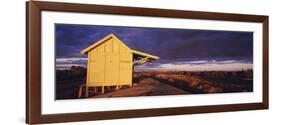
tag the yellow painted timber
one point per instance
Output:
(110, 63)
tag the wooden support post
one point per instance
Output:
(117, 87)
(80, 91)
(87, 91)
(108, 88)
(95, 89)
(102, 89)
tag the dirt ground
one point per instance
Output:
(146, 87)
(157, 83)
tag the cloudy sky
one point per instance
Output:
(178, 49)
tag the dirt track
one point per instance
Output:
(146, 87)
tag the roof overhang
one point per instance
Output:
(144, 55)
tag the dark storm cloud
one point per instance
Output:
(171, 45)
(206, 45)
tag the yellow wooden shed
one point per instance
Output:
(110, 63)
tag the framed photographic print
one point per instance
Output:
(94, 62)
